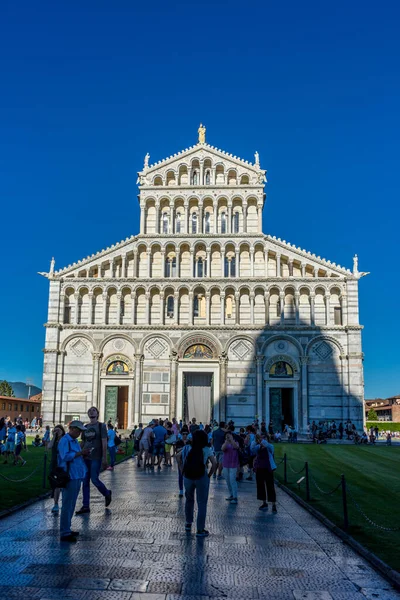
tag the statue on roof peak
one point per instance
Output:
(202, 134)
(146, 161)
(256, 159)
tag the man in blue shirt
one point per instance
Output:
(70, 458)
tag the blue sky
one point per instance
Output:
(86, 89)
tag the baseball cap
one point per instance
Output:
(78, 425)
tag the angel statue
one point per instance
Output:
(146, 161)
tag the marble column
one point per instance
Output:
(222, 262)
(278, 265)
(282, 302)
(191, 262)
(173, 360)
(343, 303)
(328, 309)
(90, 318)
(297, 305)
(237, 308)
(148, 308)
(252, 308)
(176, 308)
(76, 311)
(266, 300)
(135, 263)
(142, 217)
(266, 262)
(172, 216)
(237, 261)
(61, 313)
(163, 265)
(312, 303)
(191, 315)
(259, 363)
(303, 270)
(138, 372)
(229, 228)
(244, 206)
(123, 266)
(304, 392)
(119, 296)
(223, 363)
(200, 219)
(251, 262)
(105, 302)
(222, 297)
(290, 267)
(215, 217)
(96, 378)
(178, 262)
(208, 262)
(208, 313)
(133, 297)
(162, 308)
(149, 263)
(157, 225)
(186, 225)
(259, 217)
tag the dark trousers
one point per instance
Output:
(265, 485)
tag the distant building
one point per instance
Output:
(14, 407)
(387, 409)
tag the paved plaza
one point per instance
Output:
(138, 550)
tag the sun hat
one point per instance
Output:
(77, 425)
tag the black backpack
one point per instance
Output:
(194, 467)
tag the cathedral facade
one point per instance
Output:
(201, 314)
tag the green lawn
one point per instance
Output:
(14, 493)
(384, 425)
(372, 475)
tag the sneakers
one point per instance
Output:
(188, 527)
(180, 493)
(264, 506)
(274, 510)
(68, 538)
(234, 501)
(108, 499)
(204, 533)
(110, 469)
(23, 463)
(82, 511)
(55, 510)
(229, 499)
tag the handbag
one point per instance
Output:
(58, 477)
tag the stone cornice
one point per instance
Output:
(201, 327)
(163, 282)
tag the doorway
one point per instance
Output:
(281, 408)
(198, 397)
(116, 405)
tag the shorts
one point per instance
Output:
(168, 447)
(144, 445)
(158, 449)
(219, 456)
(18, 449)
(10, 446)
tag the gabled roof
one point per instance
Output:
(197, 148)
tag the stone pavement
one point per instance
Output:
(138, 550)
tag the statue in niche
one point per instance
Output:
(202, 134)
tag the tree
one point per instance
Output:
(372, 415)
(6, 389)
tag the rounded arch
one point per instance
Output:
(325, 338)
(282, 336)
(334, 287)
(282, 358)
(118, 335)
(207, 339)
(78, 336)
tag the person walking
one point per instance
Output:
(136, 442)
(145, 446)
(19, 437)
(160, 434)
(180, 443)
(112, 449)
(230, 463)
(70, 458)
(46, 437)
(58, 433)
(196, 478)
(264, 466)
(94, 439)
(218, 438)
(10, 444)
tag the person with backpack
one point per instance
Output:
(264, 466)
(58, 433)
(196, 478)
(94, 439)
